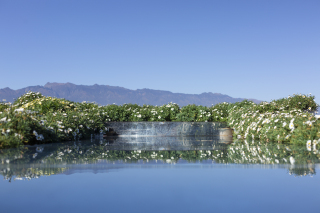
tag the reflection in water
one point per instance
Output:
(33, 162)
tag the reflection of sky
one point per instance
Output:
(172, 188)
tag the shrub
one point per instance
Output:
(285, 120)
(34, 118)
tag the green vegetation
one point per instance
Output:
(35, 119)
(285, 120)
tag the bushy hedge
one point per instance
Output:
(286, 120)
(34, 118)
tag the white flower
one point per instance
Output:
(309, 145)
(308, 123)
(39, 149)
(19, 110)
(284, 124)
(291, 126)
(139, 116)
(159, 117)
(172, 109)
(315, 145)
(292, 160)
(39, 137)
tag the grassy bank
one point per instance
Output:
(34, 118)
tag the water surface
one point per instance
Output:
(169, 175)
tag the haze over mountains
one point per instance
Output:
(104, 94)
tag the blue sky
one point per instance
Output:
(251, 49)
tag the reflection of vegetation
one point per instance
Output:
(302, 171)
(16, 162)
(29, 173)
(270, 154)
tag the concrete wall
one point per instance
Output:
(129, 129)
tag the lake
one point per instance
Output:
(170, 174)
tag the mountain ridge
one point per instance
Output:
(105, 94)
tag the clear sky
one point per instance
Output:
(250, 49)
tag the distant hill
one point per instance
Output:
(104, 94)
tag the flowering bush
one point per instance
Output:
(285, 120)
(193, 113)
(134, 112)
(34, 118)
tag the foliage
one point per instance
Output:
(34, 118)
(38, 119)
(285, 120)
(194, 113)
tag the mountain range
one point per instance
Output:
(105, 94)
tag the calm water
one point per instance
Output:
(169, 175)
